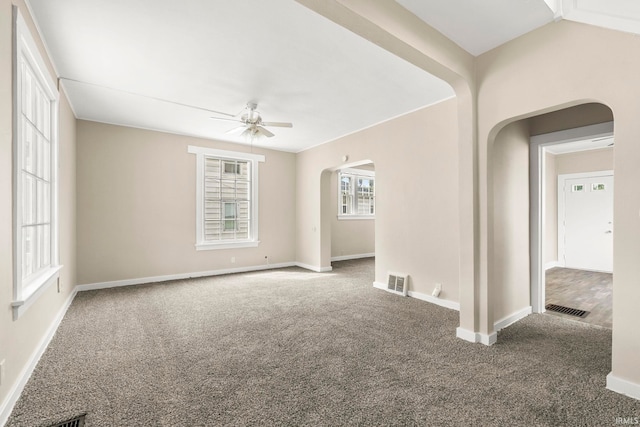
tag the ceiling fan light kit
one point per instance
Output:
(252, 124)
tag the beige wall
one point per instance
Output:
(136, 206)
(585, 161)
(20, 339)
(533, 75)
(349, 237)
(416, 226)
(569, 118)
(551, 209)
(509, 271)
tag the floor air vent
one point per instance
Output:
(397, 283)
(566, 310)
(74, 422)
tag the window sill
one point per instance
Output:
(350, 217)
(36, 288)
(226, 245)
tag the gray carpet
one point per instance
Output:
(291, 347)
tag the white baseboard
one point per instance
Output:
(313, 267)
(487, 339)
(623, 386)
(153, 279)
(552, 264)
(466, 335)
(512, 318)
(476, 337)
(424, 297)
(348, 257)
(16, 390)
(434, 300)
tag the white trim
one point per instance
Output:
(353, 175)
(346, 217)
(487, 340)
(357, 256)
(552, 264)
(476, 337)
(512, 318)
(14, 393)
(313, 268)
(466, 335)
(154, 279)
(47, 51)
(193, 149)
(562, 179)
(226, 245)
(621, 386)
(20, 306)
(254, 203)
(25, 49)
(537, 203)
(452, 305)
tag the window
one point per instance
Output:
(35, 168)
(356, 194)
(226, 198)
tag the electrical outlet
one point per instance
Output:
(233, 259)
(1, 371)
(437, 290)
(58, 285)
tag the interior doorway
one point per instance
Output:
(348, 212)
(585, 221)
(573, 232)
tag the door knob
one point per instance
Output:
(608, 232)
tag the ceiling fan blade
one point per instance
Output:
(278, 124)
(264, 132)
(236, 129)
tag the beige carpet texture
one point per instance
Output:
(290, 347)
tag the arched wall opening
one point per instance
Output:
(345, 234)
(518, 205)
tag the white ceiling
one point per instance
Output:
(142, 63)
(478, 26)
(163, 64)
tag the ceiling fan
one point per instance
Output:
(252, 124)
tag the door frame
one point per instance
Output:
(561, 205)
(537, 196)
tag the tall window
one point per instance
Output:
(356, 194)
(227, 198)
(35, 167)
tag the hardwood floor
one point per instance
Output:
(584, 290)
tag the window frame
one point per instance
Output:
(26, 290)
(253, 159)
(354, 175)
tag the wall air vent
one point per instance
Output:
(398, 283)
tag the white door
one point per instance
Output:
(588, 223)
